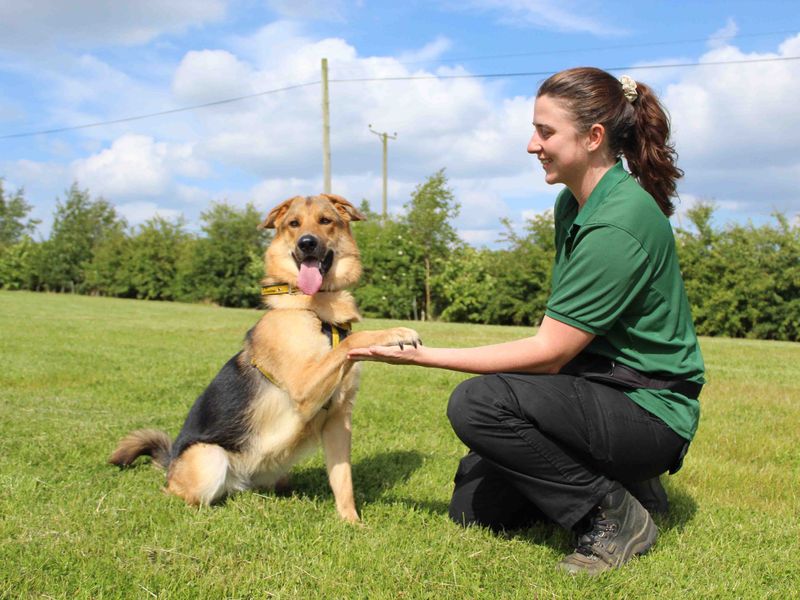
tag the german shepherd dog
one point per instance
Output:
(291, 384)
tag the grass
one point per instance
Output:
(79, 372)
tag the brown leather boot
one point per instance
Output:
(619, 529)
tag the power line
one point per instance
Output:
(600, 48)
(550, 72)
(377, 79)
(157, 114)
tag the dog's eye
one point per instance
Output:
(294, 223)
(325, 221)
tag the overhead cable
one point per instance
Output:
(387, 79)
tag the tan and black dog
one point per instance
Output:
(291, 384)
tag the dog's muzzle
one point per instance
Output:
(310, 247)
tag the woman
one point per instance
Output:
(576, 422)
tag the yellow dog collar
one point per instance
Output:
(277, 289)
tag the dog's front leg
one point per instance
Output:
(336, 435)
(310, 393)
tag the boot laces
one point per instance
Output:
(592, 543)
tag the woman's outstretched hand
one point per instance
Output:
(399, 355)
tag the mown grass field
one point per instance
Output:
(78, 373)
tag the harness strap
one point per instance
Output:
(335, 335)
(605, 370)
(263, 372)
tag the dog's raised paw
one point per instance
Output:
(402, 336)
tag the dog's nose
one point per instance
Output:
(307, 244)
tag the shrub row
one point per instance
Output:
(742, 280)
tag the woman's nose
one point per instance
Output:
(534, 147)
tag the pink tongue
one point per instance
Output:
(310, 279)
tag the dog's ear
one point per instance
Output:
(276, 214)
(344, 208)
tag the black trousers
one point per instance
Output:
(550, 447)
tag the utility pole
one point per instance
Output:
(326, 130)
(384, 140)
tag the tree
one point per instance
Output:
(428, 216)
(79, 225)
(522, 273)
(14, 224)
(226, 265)
(153, 259)
(17, 264)
(468, 285)
(742, 281)
(17, 250)
(392, 271)
(108, 272)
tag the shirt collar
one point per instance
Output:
(607, 182)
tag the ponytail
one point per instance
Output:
(637, 125)
(650, 154)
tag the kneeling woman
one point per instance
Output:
(576, 423)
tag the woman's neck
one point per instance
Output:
(584, 188)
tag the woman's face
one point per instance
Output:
(561, 150)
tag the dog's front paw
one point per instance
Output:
(401, 336)
(349, 515)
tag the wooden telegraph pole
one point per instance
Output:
(326, 130)
(384, 140)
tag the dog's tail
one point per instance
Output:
(143, 442)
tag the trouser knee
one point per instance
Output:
(472, 405)
(459, 406)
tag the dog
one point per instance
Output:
(291, 385)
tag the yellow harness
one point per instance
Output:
(334, 333)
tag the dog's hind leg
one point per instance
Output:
(198, 475)
(336, 435)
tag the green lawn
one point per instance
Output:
(79, 372)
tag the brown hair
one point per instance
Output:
(639, 130)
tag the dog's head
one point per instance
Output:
(313, 248)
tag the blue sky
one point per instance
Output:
(87, 61)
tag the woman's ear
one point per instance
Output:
(596, 137)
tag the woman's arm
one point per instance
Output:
(553, 346)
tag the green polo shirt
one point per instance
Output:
(616, 275)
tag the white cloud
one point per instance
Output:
(190, 194)
(481, 237)
(135, 166)
(566, 15)
(428, 52)
(35, 24)
(529, 215)
(730, 124)
(325, 10)
(210, 75)
(724, 35)
(136, 213)
(440, 122)
(480, 204)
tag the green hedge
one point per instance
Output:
(742, 280)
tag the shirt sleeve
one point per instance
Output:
(607, 269)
